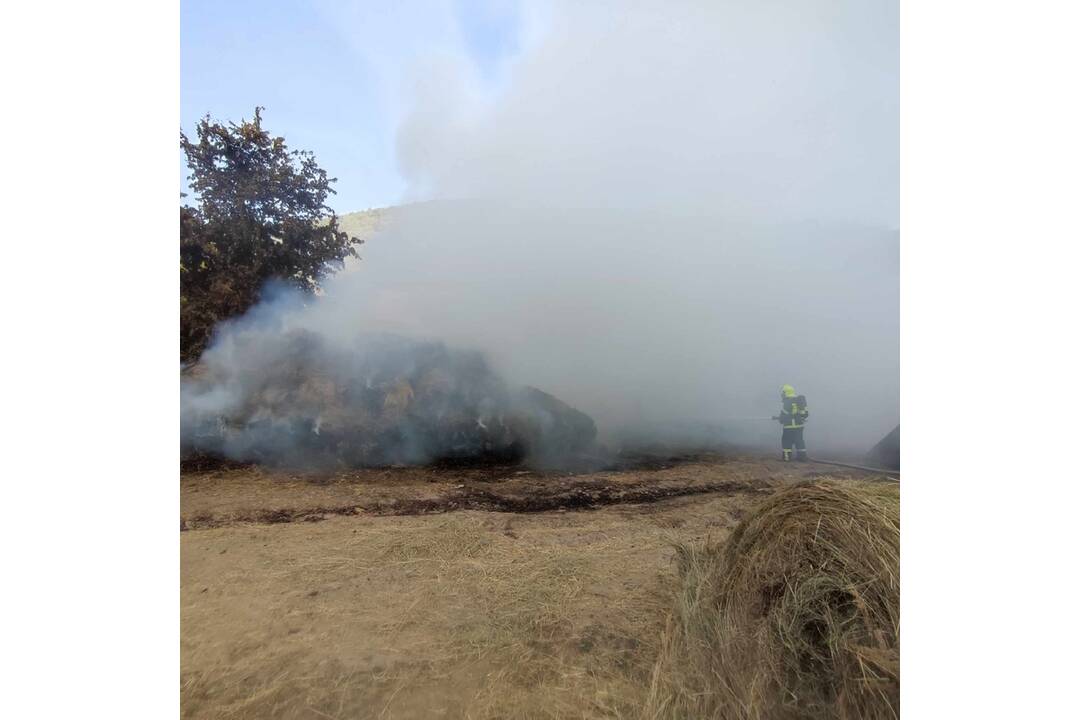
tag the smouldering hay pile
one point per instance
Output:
(301, 398)
(797, 615)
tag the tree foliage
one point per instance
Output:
(261, 214)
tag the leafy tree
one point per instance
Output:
(261, 214)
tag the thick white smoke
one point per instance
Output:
(652, 320)
(660, 213)
(675, 208)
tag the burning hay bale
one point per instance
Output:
(796, 616)
(297, 398)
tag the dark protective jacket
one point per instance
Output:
(793, 412)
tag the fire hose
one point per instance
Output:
(837, 463)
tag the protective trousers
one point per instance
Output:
(792, 443)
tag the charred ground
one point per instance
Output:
(230, 493)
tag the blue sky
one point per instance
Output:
(328, 74)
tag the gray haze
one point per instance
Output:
(666, 211)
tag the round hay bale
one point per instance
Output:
(797, 615)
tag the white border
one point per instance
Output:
(989, 314)
(90, 501)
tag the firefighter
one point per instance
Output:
(792, 417)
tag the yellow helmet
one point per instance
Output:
(787, 391)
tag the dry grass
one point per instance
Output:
(795, 616)
(453, 616)
(466, 614)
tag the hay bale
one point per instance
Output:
(297, 398)
(796, 616)
(887, 452)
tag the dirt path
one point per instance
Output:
(409, 603)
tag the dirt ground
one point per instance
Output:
(491, 592)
